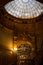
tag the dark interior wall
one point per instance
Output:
(6, 57)
(3, 2)
(40, 1)
(6, 40)
(39, 33)
(6, 43)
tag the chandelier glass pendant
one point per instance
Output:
(25, 9)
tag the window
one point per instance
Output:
(24, 8)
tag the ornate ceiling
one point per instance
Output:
(3, 2)
(25, 9)
(11, 22)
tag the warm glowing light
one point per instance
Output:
(15, 49)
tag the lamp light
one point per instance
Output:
(15, 49)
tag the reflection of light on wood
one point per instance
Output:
(11, 52)
(10, 45)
